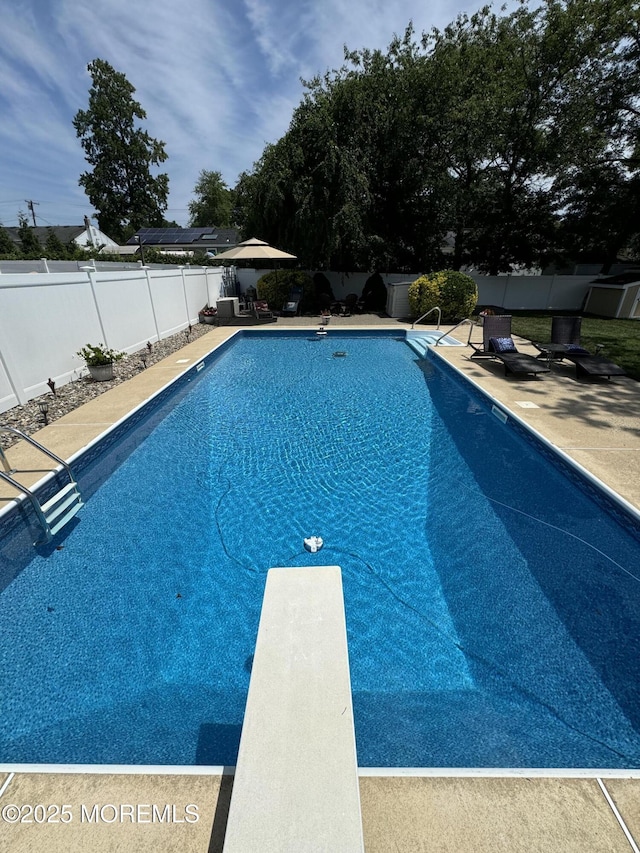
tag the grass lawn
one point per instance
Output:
(620, 338)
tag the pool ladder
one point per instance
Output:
(56, 512)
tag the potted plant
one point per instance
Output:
(208, 315)
(99, 360)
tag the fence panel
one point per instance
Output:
(42, 325)
(124, 305)
(46, 318)
(167, 296)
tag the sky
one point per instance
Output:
(218, 80)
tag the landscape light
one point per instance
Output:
(44, 409)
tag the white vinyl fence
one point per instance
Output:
(511, 293)
(523, 292)
(45, 318)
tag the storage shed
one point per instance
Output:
(616, 296)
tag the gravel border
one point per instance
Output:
(28, 417)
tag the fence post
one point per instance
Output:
(153, 307)
(550, 292)
(90, 276)
(184, 293)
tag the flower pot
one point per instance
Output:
(210, 319)
(101, 372)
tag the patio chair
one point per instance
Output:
(497, 343)
(565, 336)
(261, 309)
(292, 306)
(566, 330)
(493, 326)
(565, 343)
(261, 313)
(351, 301)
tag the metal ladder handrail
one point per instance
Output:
(471, 323)
(36, 444)
(34, 500)
(430, 311)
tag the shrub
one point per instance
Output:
(274, 287)
(455, 293)
(424, 294)
(374, 293)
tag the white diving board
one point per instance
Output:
(296, 781)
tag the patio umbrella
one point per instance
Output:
(254, 250)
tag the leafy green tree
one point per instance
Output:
(120, 186)
(507, 130)
(345, 187)
(7, 246)
(54, 248)
(602, 215)
(213, 203)
(532, 97)
(29, 243)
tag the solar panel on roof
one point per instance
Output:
(175, 235)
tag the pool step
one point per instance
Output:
(418, 346)
(61, 508)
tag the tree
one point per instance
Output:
(213, 203)
(354, 184)
(29, 243)
(497, 129)
(7, 246)
(54, 248)
(120, 187)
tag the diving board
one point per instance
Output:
(296, 781)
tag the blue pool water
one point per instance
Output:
(492, 605)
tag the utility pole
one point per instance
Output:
(30, 204)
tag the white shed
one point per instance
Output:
(611, 298)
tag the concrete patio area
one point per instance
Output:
(596, 423)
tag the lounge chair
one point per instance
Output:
(292, 305)
(593, 365)
(494, 326)
(497, 343)
(565, 343)
(565, 335)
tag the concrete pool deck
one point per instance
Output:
(597, 423)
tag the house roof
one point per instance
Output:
(64, 233)
(207, 238)
(627, 277)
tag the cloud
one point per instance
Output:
(217, 80)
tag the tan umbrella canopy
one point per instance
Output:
(254, 250)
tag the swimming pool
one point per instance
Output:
(491, 602)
